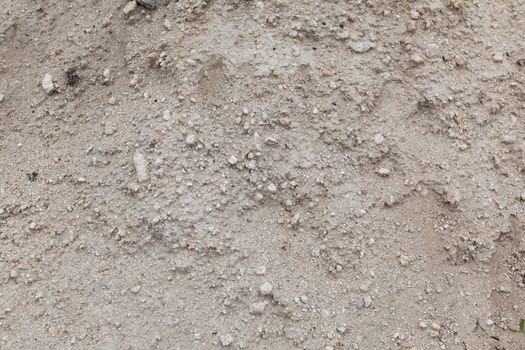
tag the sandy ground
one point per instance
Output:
(265, 174)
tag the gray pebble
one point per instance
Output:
(226, 339)
(149, 4)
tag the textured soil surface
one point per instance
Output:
(274, 174)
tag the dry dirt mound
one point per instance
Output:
(341, 174)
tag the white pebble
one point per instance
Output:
(271, 188)
(497, 57)
(266, 288)
(226, 339)
(258, 308)
(260, 270)
(140, 166)
(379, 139)
(383, 172)
(47, 83)
(233, 160)
(132, 5)
(191, 139)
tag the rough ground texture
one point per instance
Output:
(262, 175)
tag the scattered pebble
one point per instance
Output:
(167, 24)
(260, 270)
(497, 57)
(266, 289)
(508, 139)
(166, 115)
(379, 139)
(272, 188)
(47, 84)
(316, 252)
(414, 14)
(135, 289)
(258, 307)
(416, 59)
(149, 4)
(191, 139)
(452, 196)
(130, 7)
(362, 46)
(432, 50)
(383, 172)
(226, 339)
(233, 160)
(404, 260)
(140, 166)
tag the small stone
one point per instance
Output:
(367, 300)
(432, 50)
(149, 4)
(112, 100)
(47, 84)
(191, 139)
(359, 304)
(364, 287)
(508, 139)
(362, 46)
(1, 98)
(140, 166)
(404, 260)
(414, 14)
(379, 139)
(452, 196)
(505, 289)
(260, 270)
(251, 164)
(423, 325)
(522, 197)
(271, 141)
(130, 7)
(266, 289)
(226, 339)
(106, 22)
(167, 24)
(383, 172)
(233, 160)
(135, 289)
(106, 75)
(32, 226)
(489, 322)
(316, 252)
(258, 308)
(296, 220)
(497, 57)
(166, 115)
(272, 188)
(435, 326)
(416, 59)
